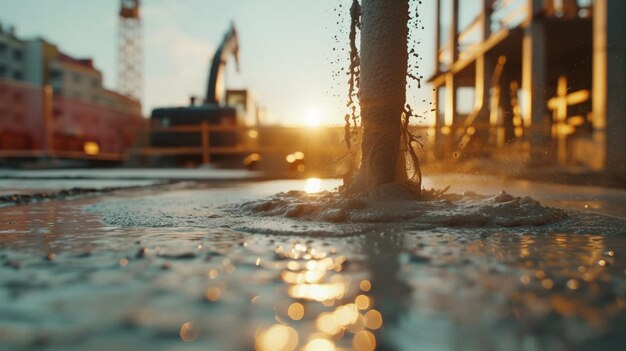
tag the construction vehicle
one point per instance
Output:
(213, 111)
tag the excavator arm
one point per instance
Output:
(215, 84)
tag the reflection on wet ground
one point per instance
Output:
(70, 282)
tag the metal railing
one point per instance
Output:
(205, 149)
(260, 144)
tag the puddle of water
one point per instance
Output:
(68, 281)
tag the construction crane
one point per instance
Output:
(211, 111)
(215, 83)
(130, 50)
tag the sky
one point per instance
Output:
(289, 57)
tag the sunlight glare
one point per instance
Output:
(313, 185)
(313, 118)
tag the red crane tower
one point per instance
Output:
(130, 50)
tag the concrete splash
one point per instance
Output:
(444, 210)
(354, 72)
(331, 214)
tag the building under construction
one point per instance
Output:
(536, 81)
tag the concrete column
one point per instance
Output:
(450, 84)
(616, 88)
(484, 76)
(440, 122)
(436, 108)
(382, 94)
(450, 97)
(570, 8)
(506, 95)
(599, 82)
(454, 32)
(437, 33)
(487, 11)
(534, 112)
(449, 119)
(599, 77)
(484, 67)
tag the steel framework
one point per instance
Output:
(130, 70)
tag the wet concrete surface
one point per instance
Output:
(608, 201)
(13, 186)
(70, 279)
(116, 174)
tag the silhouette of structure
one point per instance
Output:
(130, 69)
(547, 79)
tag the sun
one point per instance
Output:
(313, 118)
(313, 185)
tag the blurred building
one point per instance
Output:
(12, 55)
(75, 78)
(545, 81)
(40, 63)
(53, 103)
